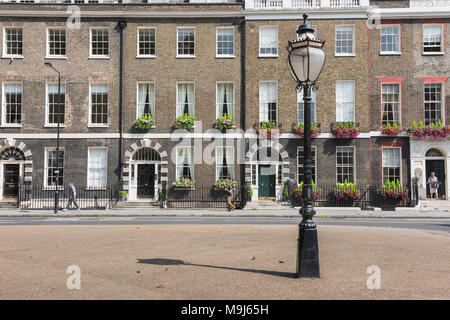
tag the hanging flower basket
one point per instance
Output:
(268, 129)
(184, 184)
(223, 184)
(346, 191)
(300, 130)
(391, 130)
(435, 131)
(345, 130)
(224, 122)
(145, 122)
(185, 122)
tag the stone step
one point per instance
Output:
(136, 204)
(435, 205)
(8, 205)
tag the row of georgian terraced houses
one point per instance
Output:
(387, 64)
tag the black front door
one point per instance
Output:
(146, 180)
(10, 180)
(438, 167)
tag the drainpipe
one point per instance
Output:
(243, 83)
(121, 25)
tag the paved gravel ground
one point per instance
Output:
(219, 262)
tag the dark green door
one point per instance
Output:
(438, 167)
(266, 182)
(10, 180)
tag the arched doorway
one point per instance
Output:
(435, 162)
(267, 169)
(145, 167)
(12, 163)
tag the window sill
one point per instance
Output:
(98, 125)
(7, 125)
(345, 55)
(99, 58)
(185, 57)
(95, 188)
(12, 56)
(393, 53)
(268, 56)
(225, 57)
(54, 125)
(56, 57)
(60, 188)
(146, 57)
(432, 53)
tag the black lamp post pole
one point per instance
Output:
(308, 249)
(55, 208)
(57, 144)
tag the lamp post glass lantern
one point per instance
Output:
(55, 209)
(305, 61)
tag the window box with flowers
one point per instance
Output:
(224, 184)
(184, 184)
(345, 130)
(300, 130)
(185, 121)
(298, 192)
(432, 130)
(145, 122)
(392, 193)
(268, 129)
(346, 191)
(224, 122)
(391, 130)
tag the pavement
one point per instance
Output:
(400, 213)
(219, 262)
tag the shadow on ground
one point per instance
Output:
(172, 262)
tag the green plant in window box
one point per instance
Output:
(145, 122)
(224, 122)
(185, 121)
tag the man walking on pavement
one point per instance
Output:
(72, 197)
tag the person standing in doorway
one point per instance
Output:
(230, 205)
(434, 185)
(72, 197)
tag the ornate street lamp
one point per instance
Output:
(55, 208)
(305, 62)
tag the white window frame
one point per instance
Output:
(193, 161)
(185, 56)
(259, 100)
(184, 82)
(400, 101)
(314, 163)
(46, 186)
(95, 56)
(137, 99)
(144, 56)
(47, 52)
(443, 92)
(233, 164)
(399, 52)
(97, 125)
(263, 55)
(382, 167)
(354, 163)
(4, 46)
(354, 99)
(10, 125)
(353, 54)
(217, 97)
(442, 39)
(106, 168)
(217, 43)
(46, 123)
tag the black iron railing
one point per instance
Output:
(369, 197)
(204, 197)
(38, 197)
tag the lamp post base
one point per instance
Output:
(307, 253)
